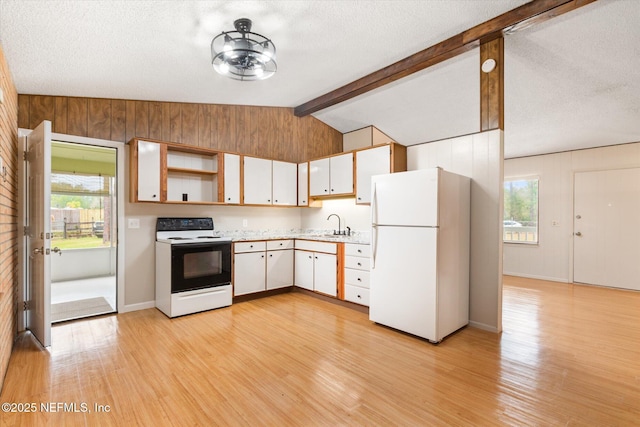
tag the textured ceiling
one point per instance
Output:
(569, 83)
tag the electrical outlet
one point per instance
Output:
(245, 222)
(133, 223)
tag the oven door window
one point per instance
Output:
(202, 264)
(197, 266)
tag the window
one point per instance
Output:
(80, 204)
(520, 218)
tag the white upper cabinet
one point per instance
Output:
(341, 172)
(231, 178)
(374, 161)
(257, 181)
(270, 182)
(148, 171)
(319, 177)
(303, 184)
(284, 183)
(331, 175)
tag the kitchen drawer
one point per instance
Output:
(356, 294)
(310, 245)
(239, 247)
(200, 300)
(356, 262)
(354, 249)
(356, 277)
(274, 245)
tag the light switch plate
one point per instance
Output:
(133, 223)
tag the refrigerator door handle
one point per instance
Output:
(374, 243)
(374, 225)
(374, 205)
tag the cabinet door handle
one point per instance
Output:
(359, 279)
(229, 198)
(154, 196)
(276, 201)
(250, 246)
(262, 256)
(359, 264)
(281, 244)
(309, 256)
(359, 251)
(270, 255)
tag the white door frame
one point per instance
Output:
(120, 177)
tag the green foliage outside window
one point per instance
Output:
(520, 211)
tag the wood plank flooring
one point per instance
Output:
(569, 355)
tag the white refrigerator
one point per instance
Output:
(420, 252)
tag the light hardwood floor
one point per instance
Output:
(569, 355)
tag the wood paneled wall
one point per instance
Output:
(270, 132)
(8, 216)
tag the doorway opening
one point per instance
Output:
(83, 223)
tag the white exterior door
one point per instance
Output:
(606, 241)
(39, 235)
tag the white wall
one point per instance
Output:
(552, 258)
(74, 264)
(357, 217)
(479, 157)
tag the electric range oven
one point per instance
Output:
(193, 266)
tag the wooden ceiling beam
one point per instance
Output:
(522, 17)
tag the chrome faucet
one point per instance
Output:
(340, 232)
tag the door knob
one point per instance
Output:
(577, 233)
(57, 250)
(37, 251)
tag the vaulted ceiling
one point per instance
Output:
(570, 82)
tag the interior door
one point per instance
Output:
(39, 232)
(606, 241)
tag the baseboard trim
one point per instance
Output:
(484, 327)
(135, 307)
(534, 276)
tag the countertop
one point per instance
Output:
(323, 236)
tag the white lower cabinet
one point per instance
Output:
(325, 274)
(260, 266)
(356, 273)
(317, 267)
(279, 269)
(304, 270)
